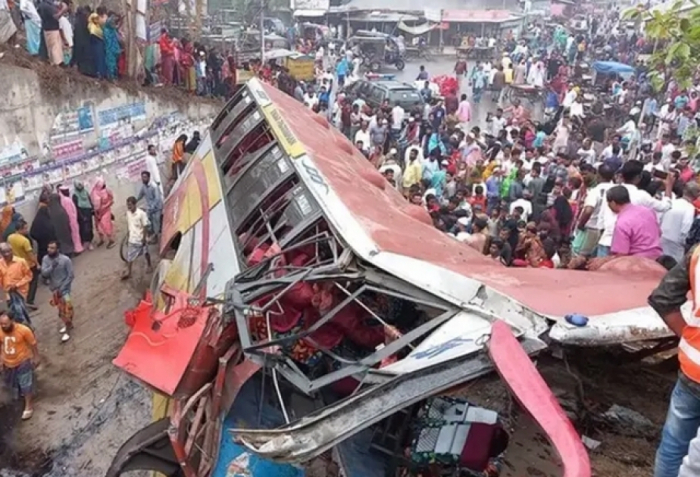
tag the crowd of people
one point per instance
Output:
(68, 222)
(93, 41)
(609, 170)
(594, 179)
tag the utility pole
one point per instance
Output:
(262, 32)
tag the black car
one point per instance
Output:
(375, 92)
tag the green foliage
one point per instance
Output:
(675, 34)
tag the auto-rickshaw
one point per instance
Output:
(300, 66)
(379, 48)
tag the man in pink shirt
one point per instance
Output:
(637, 231)
(464, 112)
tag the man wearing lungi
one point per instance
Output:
(137, 230)
(20, 355)
(58, 268)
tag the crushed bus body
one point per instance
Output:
(298, 274)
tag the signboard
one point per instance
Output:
(301, 69)
(313, 5)
(285, 136)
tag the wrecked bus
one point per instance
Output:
(301, 302)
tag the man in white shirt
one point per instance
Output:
(691, 462)
(595, 212)
(569, 97)
(137, 242)
(390, 164)
(631, 174)
(310, 100)
(153, 168)
(397, 115)
(667, 149)
(586, 153)
(497, 123)
(676, 223)
(363, 135)
(668, 116)
(576, 108)
(524, 203)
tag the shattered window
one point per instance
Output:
(269, 214)
(230, 116)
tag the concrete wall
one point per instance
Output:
(82, 130)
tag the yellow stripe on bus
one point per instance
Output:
(285, 136)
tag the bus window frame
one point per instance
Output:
(229, 114)
(236, 136)
(231, 180)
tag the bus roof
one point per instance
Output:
(387, 231)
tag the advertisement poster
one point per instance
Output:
(60, 151)
(124, 114)
(72, 123)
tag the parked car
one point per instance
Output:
(375, 92)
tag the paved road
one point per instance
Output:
(444, 65)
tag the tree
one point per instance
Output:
(675, 34)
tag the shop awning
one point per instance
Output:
(310, 13)
(478, 16)
(417, 29)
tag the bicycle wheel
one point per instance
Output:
(123, 248)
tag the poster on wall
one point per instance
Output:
(126, 113)
(12, 153)
(72, 123)
(62, 150)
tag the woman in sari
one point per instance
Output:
(61, 224)
(97, 42)
(5, 218)
(32, 26)
(72, 211)
(82, 54)
(83, 205)
(111, 42)
(102, 201)
(42, 230)
(187, 66)
(12, 226)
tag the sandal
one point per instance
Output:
(111, 244)
(27, 414)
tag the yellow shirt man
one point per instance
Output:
(22, 248)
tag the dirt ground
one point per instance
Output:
(596, 382)
(86, 408)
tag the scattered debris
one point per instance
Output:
(568, 402)
(628, 422)
(591, 444)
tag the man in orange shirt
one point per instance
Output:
(19, 353)
(15, 277)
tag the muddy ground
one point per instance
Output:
(86, 408)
